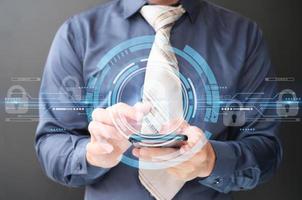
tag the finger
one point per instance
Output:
(143, 107)
(102, 115)
(195, 135)
(196, 141)
(113, 115)
(186, 167)
(92, 136)
(104, 130)
(118, 110)
(99, 148)
(123, 110)
(122, 146)
(175, 172)
(101, 132)
(140, 108)
(183, 171)
(155, 153)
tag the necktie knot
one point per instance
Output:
(161, 17)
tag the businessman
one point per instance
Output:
(77, 152)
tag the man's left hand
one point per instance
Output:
(200, 164)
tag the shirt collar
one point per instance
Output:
(130, 7)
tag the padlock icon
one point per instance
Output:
(234, 116)
(287, 107)
(71, 88)
(16, 101)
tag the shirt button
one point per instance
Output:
(217, 181)
(80, 166)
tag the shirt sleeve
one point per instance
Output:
(62, 134)
(249, 158)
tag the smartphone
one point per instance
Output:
(158, 141)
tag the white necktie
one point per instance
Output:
(162, 89)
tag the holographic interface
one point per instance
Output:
(202, 96)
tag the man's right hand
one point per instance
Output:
(107, 144)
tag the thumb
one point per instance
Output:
(101, 146)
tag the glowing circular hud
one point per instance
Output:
(120, 78)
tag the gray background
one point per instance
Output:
(27, 28)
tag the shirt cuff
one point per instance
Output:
(224, 166)
(82, 167)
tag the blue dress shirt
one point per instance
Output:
(234, 48)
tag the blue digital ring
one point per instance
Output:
(133, 67)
